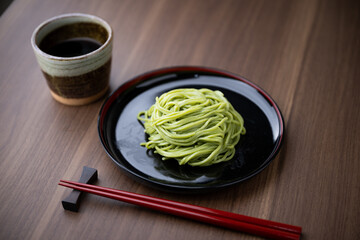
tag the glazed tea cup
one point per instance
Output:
(74, 53)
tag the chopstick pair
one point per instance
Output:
(251, 225)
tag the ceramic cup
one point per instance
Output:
(74, 53)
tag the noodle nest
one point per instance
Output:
(198, 127)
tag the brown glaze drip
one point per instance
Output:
(81, 86)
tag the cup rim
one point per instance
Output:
(71, 15)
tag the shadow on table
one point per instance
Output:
(4, 4)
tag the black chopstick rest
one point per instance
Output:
(72, 202)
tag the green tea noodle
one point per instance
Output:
(195, 127)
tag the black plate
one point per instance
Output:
(121, 133)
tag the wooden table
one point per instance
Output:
(305, 54)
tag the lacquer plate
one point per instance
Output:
(121, 133)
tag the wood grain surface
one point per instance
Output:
(305, 54)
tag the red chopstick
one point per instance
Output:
(251, 225)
